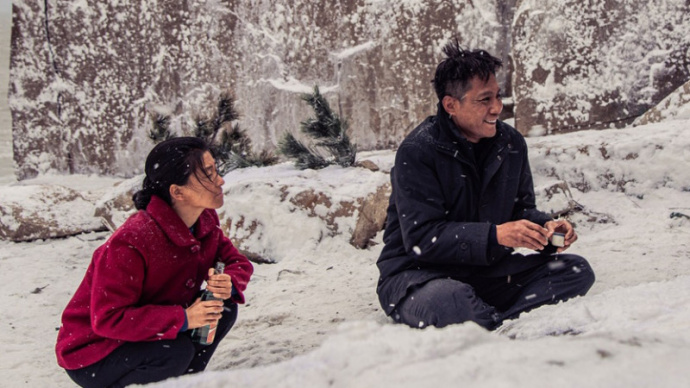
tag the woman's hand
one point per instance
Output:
(220, 285)
(203, 313)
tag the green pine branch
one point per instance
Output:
(327, 127)
(232, 148)
(303, 155)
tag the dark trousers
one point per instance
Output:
(147, 362)
(489, 301)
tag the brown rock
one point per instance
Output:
(368, 164)
(116, 206)
(309, 200)
(372, 217)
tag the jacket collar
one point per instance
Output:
(450, 139)
(173, 226)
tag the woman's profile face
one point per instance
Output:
(204, 187)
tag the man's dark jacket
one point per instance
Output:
(442, 208)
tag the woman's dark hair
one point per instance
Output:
(454, 73)
(171, 162)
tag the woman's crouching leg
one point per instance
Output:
(138, 363)
(203, 353)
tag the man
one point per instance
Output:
(462, 200)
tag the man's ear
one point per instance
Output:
(176, 192)
(450, 105)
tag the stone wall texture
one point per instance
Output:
(86, 75)
(596, 64)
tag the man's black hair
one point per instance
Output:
(454, 73)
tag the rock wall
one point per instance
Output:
(596, 64)
(85, 74)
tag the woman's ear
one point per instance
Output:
(176, 192)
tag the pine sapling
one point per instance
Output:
(326, 127)
(303, 155)
(229, 144)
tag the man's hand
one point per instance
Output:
(523, 234)
(203, 313)
(220, 285)
(565, 227)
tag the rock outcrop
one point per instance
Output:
(593, 65)
(45, 211)
(675, 106)
(372, 217)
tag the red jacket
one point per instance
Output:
(140, 281)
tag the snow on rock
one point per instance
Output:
(631, 160)
(116, 205)
(675, 106)
(601, 64)
(279, 211)
(555, 198)
(44, 211)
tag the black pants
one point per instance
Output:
(490, 301)
(147, 362)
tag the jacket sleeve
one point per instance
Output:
(237, 266)
(427, 234)
(525, 204)
(116, 312)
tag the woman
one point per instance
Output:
(130, 320)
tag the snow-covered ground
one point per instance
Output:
(313, 320)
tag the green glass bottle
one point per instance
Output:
(204, 335)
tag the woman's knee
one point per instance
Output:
(228, 319)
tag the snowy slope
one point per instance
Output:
(313, 320)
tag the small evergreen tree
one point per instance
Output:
(231, 147)
(304, 156)
(326, 127)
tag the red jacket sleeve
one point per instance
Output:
(116, 292)
(236, 265)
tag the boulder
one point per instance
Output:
(592, 65)
(44, 211)
(372, 217)
(116, 205)
(368, 164)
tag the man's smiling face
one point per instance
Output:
(476, 112)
